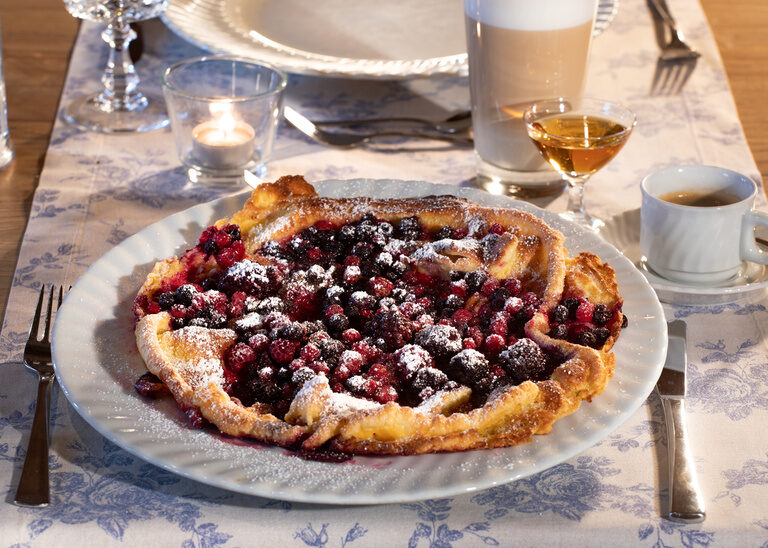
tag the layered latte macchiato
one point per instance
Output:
(520, 51)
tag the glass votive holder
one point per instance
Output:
(224, 113)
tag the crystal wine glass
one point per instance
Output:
(119, 106)
(578, 136)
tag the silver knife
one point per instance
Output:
(685, 501)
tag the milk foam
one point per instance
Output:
(533, 15)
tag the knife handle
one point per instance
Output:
(685, 501)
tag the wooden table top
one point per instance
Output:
(37, 36)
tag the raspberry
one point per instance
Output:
(150, 386)
(222, 239)
(381, 287)
(333, 310)
(178, 311)
(513, 305)
(296, 364)
(489, 286)
(324, 225)
(369, 352)
(513, 285)
(319, 367)
(231, 255)
(239, 355)
(462, 316)
(459, 288)
(494, 344)
(352, 274)
(310, 352)
(496, 228)
(585, 311)
(469, 343)
(282, 350)
(351, 336)
(259, 342)
(530, 299)
(499, 325)
(351, 362)
(314, 254)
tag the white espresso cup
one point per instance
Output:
(697, 224)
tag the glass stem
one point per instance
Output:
(576, 196)
(120, 78)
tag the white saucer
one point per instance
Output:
(623, 232)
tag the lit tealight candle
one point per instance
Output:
(223, 142)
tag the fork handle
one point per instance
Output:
(33, 487)
(685, 501)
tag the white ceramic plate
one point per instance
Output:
(97, 362)
(364, 38)
(623, 232)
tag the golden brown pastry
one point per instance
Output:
(396, 326)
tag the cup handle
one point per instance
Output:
(749, 249)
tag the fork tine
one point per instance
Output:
(48, 322)
(36, 319)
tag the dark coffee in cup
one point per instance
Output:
(700, 197)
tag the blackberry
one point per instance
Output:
(469, 367)
(524, 314)
(210, 247)
(166, 300)
(346, 235)
(587, 338)
(571, 304)
(302, 375)
(456, 275)
(385, 229)
(452, 304)
(177, 323)
(397, 269)
(558, 315)
(399, 294)
(391, 326)
(475, 281)
(362, 300)
(410, 359)
(442, 341)
(298, 246)
(499, 298)
(338, 323)
(293, 331)
(601, 315)
(309, 234)
(601, 335)
(364, 232)
(523, 361)
(427, 381)
(330, 349)
(199, 322)
(445, 232)
(559, 331)
(270, 304)
(409, 228)
(364, 250)
(184, 294)
(233, 231)
(271, 249)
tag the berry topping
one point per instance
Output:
(442, 341)
(523, 360)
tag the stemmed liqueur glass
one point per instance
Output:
(578, 136)
(119, 106)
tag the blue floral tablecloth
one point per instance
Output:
(97, 190)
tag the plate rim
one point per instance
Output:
(373, 498)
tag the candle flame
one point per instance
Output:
(223, 116)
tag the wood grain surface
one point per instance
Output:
(37, 37)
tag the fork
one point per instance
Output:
(457, 122)
(676, 59)
(33, 489)
(349, 140)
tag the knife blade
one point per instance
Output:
(686, 504)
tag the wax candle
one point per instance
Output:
(223, 142)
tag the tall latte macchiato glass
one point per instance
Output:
(520, 51)
(697, 225)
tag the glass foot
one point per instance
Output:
(584, 220)
(90, 113)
